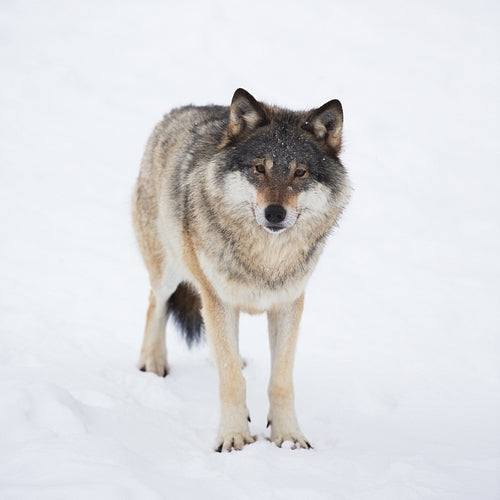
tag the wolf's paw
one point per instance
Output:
(298, 440)
(233, 441)
(279, 436)
(154, 363)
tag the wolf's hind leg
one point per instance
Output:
(153, 356)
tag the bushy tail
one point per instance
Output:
(185, 307)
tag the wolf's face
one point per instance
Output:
(282, 166)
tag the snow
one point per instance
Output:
(397, 371)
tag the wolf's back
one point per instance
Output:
(177, 146)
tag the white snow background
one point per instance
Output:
(397, 370)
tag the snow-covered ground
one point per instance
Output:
(397, 372)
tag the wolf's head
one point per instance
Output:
(284, 165)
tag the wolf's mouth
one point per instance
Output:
(275, 229)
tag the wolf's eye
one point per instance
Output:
(300, 172)
(260, 168)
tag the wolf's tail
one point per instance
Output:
(185, 307)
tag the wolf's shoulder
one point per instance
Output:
(196, 124)
(212, 112)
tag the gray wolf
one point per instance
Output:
(231, 210)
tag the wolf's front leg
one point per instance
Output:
(283, 331)
(221, 322)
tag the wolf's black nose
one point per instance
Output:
(275, 214)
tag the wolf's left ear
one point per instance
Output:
(326, 124)
(246, 113)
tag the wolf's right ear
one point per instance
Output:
(246, 113)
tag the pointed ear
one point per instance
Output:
(326, 124)
(246, 113)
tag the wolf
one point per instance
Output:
(231, 209)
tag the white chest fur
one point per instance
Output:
(250, 295)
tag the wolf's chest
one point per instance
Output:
(254, 288)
